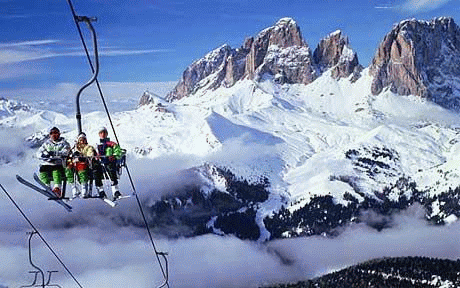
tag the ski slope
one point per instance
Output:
(295, 135)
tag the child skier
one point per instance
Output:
(109, 152)
(83, 158)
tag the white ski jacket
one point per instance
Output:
(53, 152)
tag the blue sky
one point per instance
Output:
(154, 41)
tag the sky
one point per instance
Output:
(143, 43)
(146, 45)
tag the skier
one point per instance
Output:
(109, 153)
(54, 153)
(82, 160)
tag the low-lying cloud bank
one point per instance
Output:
(102, 250)
(107, 255)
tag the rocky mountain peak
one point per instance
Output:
(149, 98)
(285, 33)
(214, 61)
(334, 51)
(420, 58)
(278, 52)
(11, 107)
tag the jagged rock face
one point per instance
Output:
(146, 99)
(278, 51)
(235, 67)
(10, 107)
(154, 100)
(335, 52)
(281, 51)
(213, 62)
(288, 65)
(420, 58)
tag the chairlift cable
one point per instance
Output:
(156, 252)
(40, 235)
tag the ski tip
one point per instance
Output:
(111, 203)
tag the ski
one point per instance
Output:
(115, 201)
(109, 202)
(43, 185)
(46, 192)
(105, 199)
(124, 197)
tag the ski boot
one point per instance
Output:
(57, 191)
(116, 194)
(84, 191)
(100, 192)
(75, 192)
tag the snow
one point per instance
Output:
(295, 135)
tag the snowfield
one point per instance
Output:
(307, 140)
(295, 135)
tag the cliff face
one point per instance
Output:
(214, 62)
(278, 51)
(420, 58)
(281, 51)
(334, 52)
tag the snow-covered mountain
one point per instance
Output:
(331, 145)
(282, 142)
(420, 58)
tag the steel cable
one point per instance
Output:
(40, 235)
(157, 254)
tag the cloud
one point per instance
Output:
(416, 6)
(61, 97)
(15, 16)
(29, 43)
(122, 52)
(105, 255)
(102, 248)
(13, 70)
(16, 52)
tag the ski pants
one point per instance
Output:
(55, 173)
(102, 171)
(82, 171)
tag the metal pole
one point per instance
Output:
(88, 21)
(30, 259)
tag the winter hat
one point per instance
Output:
(103, 129)
(82, 135)
(55, 129)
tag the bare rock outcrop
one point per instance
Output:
(334, 52)
(213, 62)
(156, 101)
(278, 52)
(420, 58)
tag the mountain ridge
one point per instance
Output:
(279, 51)
(318, 157)
(412, 59)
